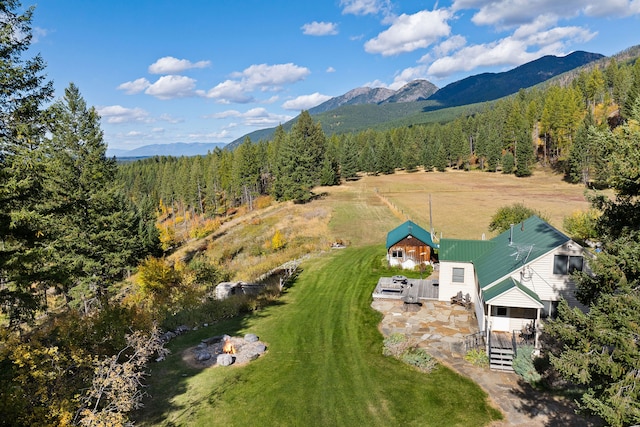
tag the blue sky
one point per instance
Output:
(163, 71)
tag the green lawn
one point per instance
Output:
(324, 365)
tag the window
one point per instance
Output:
(396, 253)
(565, 264)
(457, 275)
(501, 311)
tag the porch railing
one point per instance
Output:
(474, 341)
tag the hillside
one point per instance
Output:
(490, 86)
(418, 102)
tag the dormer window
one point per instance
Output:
(567, 264)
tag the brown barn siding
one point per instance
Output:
(407, 245)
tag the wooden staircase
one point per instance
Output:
(501, 359)
(502, 350)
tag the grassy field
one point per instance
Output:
(324, 364)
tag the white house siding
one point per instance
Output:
(513, 298)
(449, 288)
(549, 286)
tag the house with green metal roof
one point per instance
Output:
(409, 245)
(514, 280)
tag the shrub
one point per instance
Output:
(477, 357)
(204, 228)
(395, 345)
(400, 347)
(523, 365)
(277, 241)
(419, 358)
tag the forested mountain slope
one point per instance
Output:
(364, 108)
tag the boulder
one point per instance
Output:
(167, 336)
(202, 356)
(182, 329)
(224, 359)
(251, 338)
(261, 348)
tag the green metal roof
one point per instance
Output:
(506, 285)
(463, 250)
(409, 228)
(515, 248)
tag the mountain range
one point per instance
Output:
(419, 101)
(175, 149)
(367, 107)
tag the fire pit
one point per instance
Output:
(228, 347)
(224, 350)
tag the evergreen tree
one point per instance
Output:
(600, 350)
(348, 158)
(386, 154)
(95, 228)
(300, 158)
(24, 271)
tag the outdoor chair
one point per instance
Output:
(457, 299)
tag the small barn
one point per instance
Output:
(409, 245)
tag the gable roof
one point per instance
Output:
(463, 250)
(409, 228)
(517, 247)
(509, 285)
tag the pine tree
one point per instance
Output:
(95, 228)
(300, 158)
(600, 349)
(348, 158)
(23, 220)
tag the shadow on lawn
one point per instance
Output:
(559, 412)
(170, 378)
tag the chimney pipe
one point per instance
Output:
(511, 236)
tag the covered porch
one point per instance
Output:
(512, 308)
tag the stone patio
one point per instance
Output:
(435, 325)
(440, 328)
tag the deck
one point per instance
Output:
(408, 290)
(501, 340)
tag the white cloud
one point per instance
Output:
(331, 70)
(170, 119)
(223, 134)
(255, 117)
(449, 45)
(171, 65)
(262, 77)
(526, 44)
(230, 91)
(38, 33)
(120, 114)
(411, 32)
(364, 7)
(320, 29)
(136, 86)
(407, 75)
(510, 13)
(305, 102)
(271, 77)
(170, 87)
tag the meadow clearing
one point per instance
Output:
(324, 364)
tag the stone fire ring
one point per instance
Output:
(210, 351)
